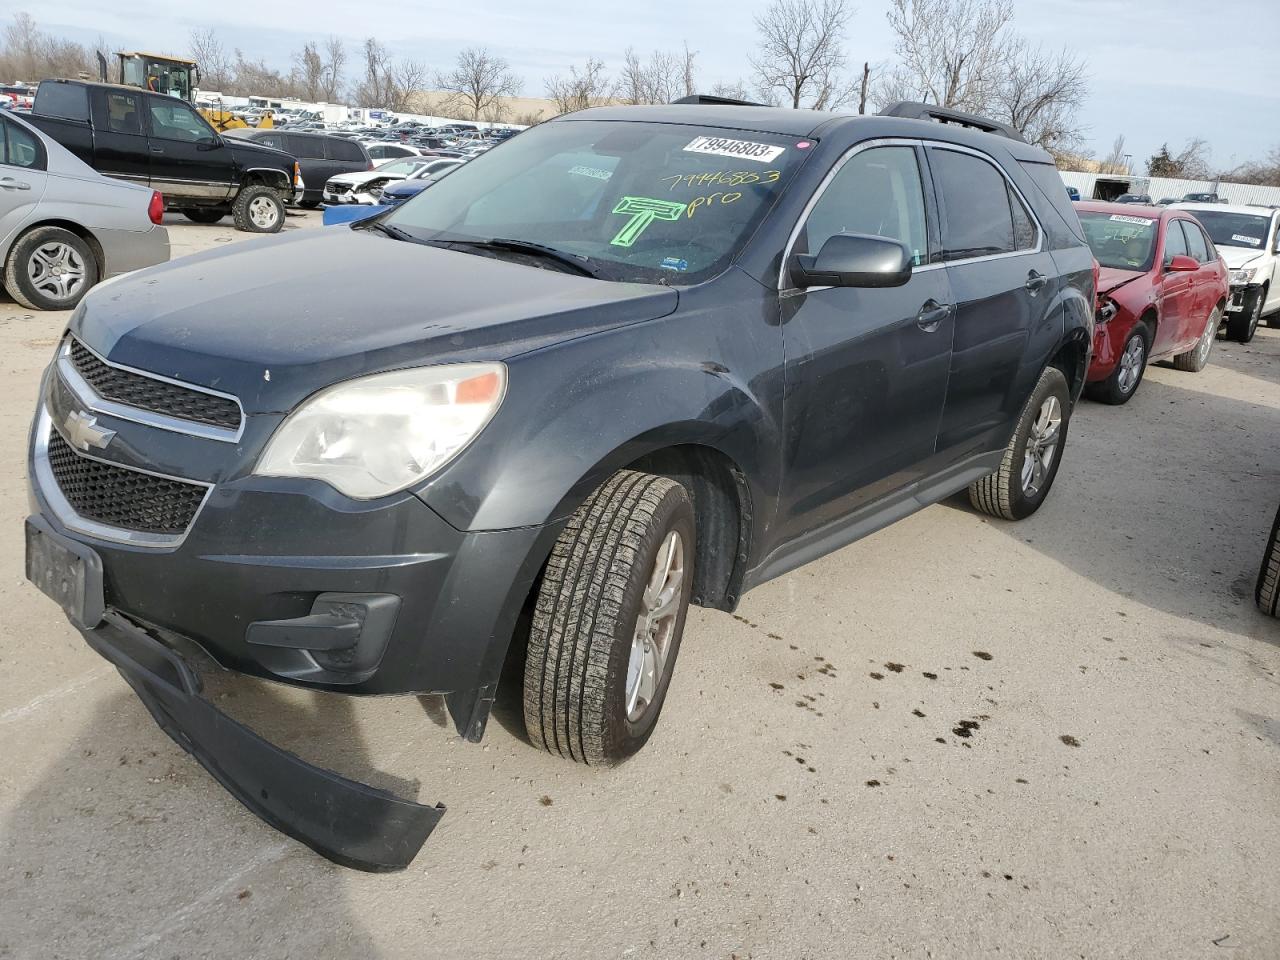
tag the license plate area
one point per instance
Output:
(67, 572)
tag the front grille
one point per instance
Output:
(120, 497)
(157, 396)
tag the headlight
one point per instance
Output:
(1243, 275)
(1106, 310)
(379, 434)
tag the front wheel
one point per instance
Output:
(1243, 325)
(1123, 383)
(205, 214)
(1267, 591)
(609, 616)
(1026, 472)
(258, 209)
(1195, 359)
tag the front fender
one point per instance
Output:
(710, 373)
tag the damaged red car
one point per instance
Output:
(1161, 293)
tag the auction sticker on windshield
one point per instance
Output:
(740, 149)
(1142, 221)
(1252, 241)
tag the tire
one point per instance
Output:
(49, 268)
(309, 204)
(1003, 493)
(1267, 591)
(1125, 378)
(251, 209)
(1197, 358)
(205, 214)
(1243, 325)
(589, 610)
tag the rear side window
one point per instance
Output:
(271, 140)
(975, 196)
(1175, 244)
(19, 147)
(877, 192)
(344, 150)
(124, 114)
(1024, 228)
(1049, 182)
(307, 148)
(64, 100)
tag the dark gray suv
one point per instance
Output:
(657, 356)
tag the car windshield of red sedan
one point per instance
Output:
(1233, 229)
(1119, 240)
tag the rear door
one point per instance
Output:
(1206, 287)
(1177, 292)
(1005, 287)
(22, 178)
(120, 135)
(188, 158)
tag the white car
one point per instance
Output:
(63, 225)
(1248, 238)
(365, 186)
(391, 151)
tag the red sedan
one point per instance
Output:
(1161, 292)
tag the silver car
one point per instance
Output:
(64, 226)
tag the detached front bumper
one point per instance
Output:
(1241, 296)
(350, 823)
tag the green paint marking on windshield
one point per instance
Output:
(643, 211)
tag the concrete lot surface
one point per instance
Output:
(810, 790)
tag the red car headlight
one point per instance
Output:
(1107, 309)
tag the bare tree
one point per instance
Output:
(950, 52)
(335, 59)
(371, 91)
(579, 90)
(29, 53)
(1264, 172)
(406, 80)
(254, 76)
(735, 90)
(660, 79)
(1040, 95)
(478, 81)
(1113, 162)
(212, 57)
(1193, 160)
(801, 59)
(308, 71)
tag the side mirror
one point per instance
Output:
(854, 260)
(1182, 264)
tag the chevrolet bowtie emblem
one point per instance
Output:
(83, 432)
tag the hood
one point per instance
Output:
(1111, 279)
(276, 319)
(361, 177)
(407, 188)
(248, 153)
(1238, 256)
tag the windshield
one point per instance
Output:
(1120, 241)
(636, 201)
(403, 167)
(1233, 229)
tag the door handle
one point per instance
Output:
(932, 314)
(1036, 281)
(157, 149)
(8, 183)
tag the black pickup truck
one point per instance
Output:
(161, 141)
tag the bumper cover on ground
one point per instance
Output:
(350, 823)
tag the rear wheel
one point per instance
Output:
(1195, 359)
(1030, 463)
(1243, 325)
(1267, 592)
(258, 209)
(609, 616)
(309, 204)
(205, 214)
(1123, 383)
(49, 268)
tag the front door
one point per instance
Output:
(1004, 283)
(1177, 291)
(188, 157)
(866, 368)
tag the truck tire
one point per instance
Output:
(610, 611)
(1030, 462)
(1197, 358)
(205, 214)
(1267, 592)
(1243, 325)
(50, 268)
(309, 204)
(258, 209)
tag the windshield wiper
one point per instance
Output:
(394, 232)
(531, 249)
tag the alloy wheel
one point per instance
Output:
(56, 270)
(655, 626)
(1042, 446)
(1131, 363)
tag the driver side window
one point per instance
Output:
(1175, 244)
(877, 192)
(173, 120)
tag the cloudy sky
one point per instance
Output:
(1161, 71)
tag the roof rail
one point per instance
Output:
(929, 111)
(707, 100)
